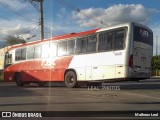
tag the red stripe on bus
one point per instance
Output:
(40, 70)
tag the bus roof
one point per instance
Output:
(123, 25)
(73, 35)
(60, 37)
(115, 26)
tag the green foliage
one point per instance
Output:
(11, 40)
(155, 63)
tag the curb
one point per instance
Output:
(155, 77)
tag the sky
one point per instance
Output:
(20, 18)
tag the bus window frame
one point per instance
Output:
(56, 48)
(95, 34)
(35, 52)
(32, 52)
(77, 53)
(124, 39)
(59, 55)
(42, 51)
(125, 28)
(71, 39)
(21, 50)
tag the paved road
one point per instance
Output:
(120, 96)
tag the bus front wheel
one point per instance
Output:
(18, 79)
(71, 79)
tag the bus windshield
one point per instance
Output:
(143, 35)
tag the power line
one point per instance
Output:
(69, 5)
(32, 29)
(41, 18)
(15, 12)
(34, 5)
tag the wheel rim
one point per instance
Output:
(70, 79)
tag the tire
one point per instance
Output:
(71, 79)
(18, 79)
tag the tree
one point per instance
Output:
(11, 40)
(156, 62)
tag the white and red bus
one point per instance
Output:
(114, 53)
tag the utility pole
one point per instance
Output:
(42, 24)
(156, 45)
(41, 19)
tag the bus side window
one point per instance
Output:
(111, 37)
(81, 44)
(91, 43)
(18, 54)
(23, 54)
(37, 53)
(30, 52)
(45, 51)
(53, 50)
(62, 48)
(70, 46)
(102, 41)
(119, 40)
(105, 41)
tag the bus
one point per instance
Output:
(120, 52)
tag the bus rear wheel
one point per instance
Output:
(71, 79)
(18, 79)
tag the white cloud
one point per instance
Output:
(62, 13)
(15, 27)
(16, 30)
(113, 15)
(19, 25)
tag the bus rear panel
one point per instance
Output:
(141, 53)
